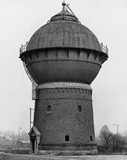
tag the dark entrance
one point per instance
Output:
(33, 143)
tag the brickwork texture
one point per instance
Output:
(64, 117)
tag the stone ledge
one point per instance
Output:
(64, 90)
(64, 85)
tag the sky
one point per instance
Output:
(105, 18)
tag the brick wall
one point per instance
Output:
(64, 116)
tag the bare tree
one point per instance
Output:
(106, 138)
(111, 142)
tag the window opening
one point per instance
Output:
(79, 109)
(91, 138)
(67, 138)
(49, 108)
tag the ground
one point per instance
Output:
(7, 156)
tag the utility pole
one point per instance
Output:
(20, 128)
(18, 139)
(117, 127)
(31, 117)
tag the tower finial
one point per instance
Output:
(64, 5)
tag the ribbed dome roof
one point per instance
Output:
(63, 30)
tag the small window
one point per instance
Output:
(48, 108)
(67, 138)
(91, 138)
(79, 109)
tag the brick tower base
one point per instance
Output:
(64, 117)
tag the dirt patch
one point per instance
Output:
(8, 156)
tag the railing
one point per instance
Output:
(23, 48)
(104, 48)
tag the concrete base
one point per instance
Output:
(69, 146)
(69, 149)
(67, 152)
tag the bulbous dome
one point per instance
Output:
(63, 30)
(63, 50)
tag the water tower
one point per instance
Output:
(62, 58)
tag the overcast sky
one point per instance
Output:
(20, 19)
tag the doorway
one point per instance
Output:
(33, 143)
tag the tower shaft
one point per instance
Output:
(64, 116)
